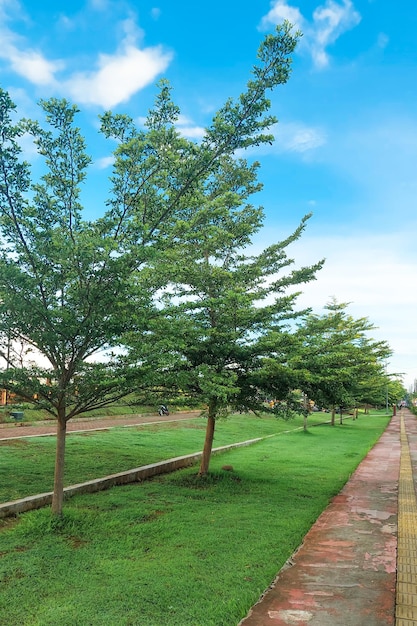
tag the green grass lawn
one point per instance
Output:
(177, 551)
(98, 453)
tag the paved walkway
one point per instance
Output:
(358, 563)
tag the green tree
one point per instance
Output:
(216, 319)
(396, 389)
(335, 359)
(70, 288)
(383, 389)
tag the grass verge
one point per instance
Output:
(177, 551)
(27, 464)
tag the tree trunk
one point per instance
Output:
(208, 442)
(306, 405)
(333, 414)
(58, 495)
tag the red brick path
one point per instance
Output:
(344, 574)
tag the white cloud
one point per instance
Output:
(121, 75)
(186, 127)
(104, 162)
(281, 11)
(376, 276)
(329, 22)
(289, 137)
(118, 77)
(297, 137)
(132, 32)
(27, 62)
(359, 269)
(29, 149)
(33, 66)
(192, 132)
(372, 274)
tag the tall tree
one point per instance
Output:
(336, 358)
(213, 329)
(383, 389)
(70, 288)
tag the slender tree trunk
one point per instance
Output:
(208, 442)
(333, 414)
(58, 495)
(305, 402)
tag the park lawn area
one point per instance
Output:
(178, 550)
(27, 465)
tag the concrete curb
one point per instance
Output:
(8, 509)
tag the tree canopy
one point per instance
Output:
(71, 288)
(336, 359)
(212, 333)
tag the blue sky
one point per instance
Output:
(346, 141)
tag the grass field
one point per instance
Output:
(96, 454)
(176, 550)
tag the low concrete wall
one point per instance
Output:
(7, 509)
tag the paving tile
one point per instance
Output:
(346, 571)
